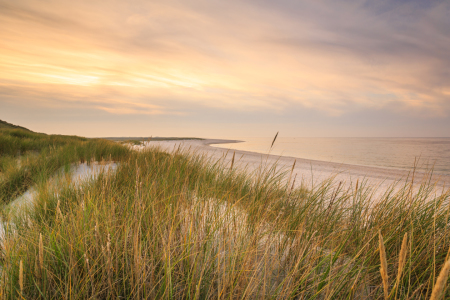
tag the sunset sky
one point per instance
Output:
(226, 69)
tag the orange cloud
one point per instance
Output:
(242, 55)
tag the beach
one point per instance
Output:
(208, 209)
(306, 171)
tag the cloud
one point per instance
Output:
(66, 97)
(178, 57)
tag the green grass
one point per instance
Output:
(180, 226)
(28, 158)
(6, 125)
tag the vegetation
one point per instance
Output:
(7, 125)
(139, 140)
(180, 226)
(28, 158)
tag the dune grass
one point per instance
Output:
(28, 158)
(180, 226)
(139, 140)
(6, 125)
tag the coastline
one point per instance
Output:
(307, 171)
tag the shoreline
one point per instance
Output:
(308, 171)
(374, 169)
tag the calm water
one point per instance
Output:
(398, 153)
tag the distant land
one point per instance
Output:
(4, 124)
(118, 139)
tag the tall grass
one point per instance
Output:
(180, 226)
(28, 158)
(15, 142)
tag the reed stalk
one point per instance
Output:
(441, 281)
(383, 267)
(21, 277)
(41, 253)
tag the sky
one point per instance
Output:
(226, 69)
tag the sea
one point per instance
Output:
(424, 154)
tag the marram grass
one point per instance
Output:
(180, 226)
(28, 158)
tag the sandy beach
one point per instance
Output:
(306, 171)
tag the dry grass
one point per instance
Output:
(441, 282)
(177, 226)
(383, 268)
